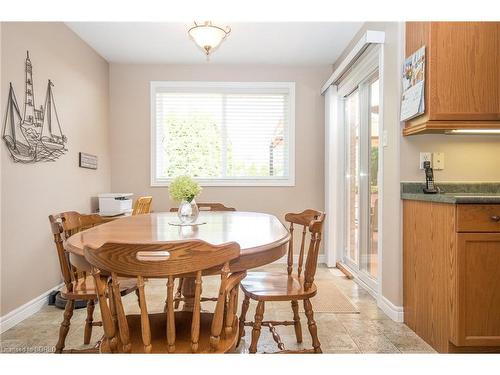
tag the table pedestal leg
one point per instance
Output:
(188, 292)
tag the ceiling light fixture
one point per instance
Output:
(207, 36)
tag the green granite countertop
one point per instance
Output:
(454, 192)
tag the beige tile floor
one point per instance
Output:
(370, 331)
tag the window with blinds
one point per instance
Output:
(223, 133)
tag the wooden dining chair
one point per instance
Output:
(142, 205)
(201, 207)
(272, 286)
(77, 284)
(174, 331)
(209, 207)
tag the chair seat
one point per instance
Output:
(84, 288)
(275, 286)
(183, 321)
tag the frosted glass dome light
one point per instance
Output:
(207, 36)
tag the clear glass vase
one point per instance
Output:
(188, 212)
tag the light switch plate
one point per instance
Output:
(438, 161)
(425, 156)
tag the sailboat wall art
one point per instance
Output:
(33, 134)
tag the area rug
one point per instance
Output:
(330, 299)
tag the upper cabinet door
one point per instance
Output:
(462, 75)
(464, 71)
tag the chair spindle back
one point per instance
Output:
(166, 260)
(312, 221)
(209, 207)
(63, 226)
(142, 205)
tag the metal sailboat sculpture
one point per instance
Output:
(52, 141)
(32, 118)
(16, 142)
(31, 138)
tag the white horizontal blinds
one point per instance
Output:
(222, 133)
(255, 132)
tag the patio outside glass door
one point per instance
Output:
(361, 116)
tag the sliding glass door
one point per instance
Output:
(371, 265)
(352, 165)
(361, 114)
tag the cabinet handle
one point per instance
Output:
(495, 218)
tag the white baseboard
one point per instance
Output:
(394, 312)
(16, 316)
(283, 260)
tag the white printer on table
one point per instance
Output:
(114, 204)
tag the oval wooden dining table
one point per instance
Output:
(262, 237)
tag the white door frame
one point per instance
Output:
(335, 160)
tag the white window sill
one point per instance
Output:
(240, 182)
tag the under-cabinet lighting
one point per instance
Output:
(473, 131)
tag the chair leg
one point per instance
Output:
(113, 341)
(296, 320)
(88, 323)
(178, 293)
(311, 324)
(138, 298)
(64, 329)
(259, 315)
(243, 315)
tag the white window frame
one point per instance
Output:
(246, 87)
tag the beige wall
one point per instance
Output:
(31, 192)
(1, 188)
(466, 157)
(392, 257)
(130, 134)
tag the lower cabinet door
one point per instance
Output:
(475, 304)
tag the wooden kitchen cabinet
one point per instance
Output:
(451, 275)
(462, 75)
(428, 237)
(477, 290)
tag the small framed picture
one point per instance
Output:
(88, 161)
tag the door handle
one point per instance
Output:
(495, 218)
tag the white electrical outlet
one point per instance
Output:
(438, 160)
(425, 156)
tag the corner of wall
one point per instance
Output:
(394, 312)
(391, 291)
(1, 178)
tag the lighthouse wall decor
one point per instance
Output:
(33, 133)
